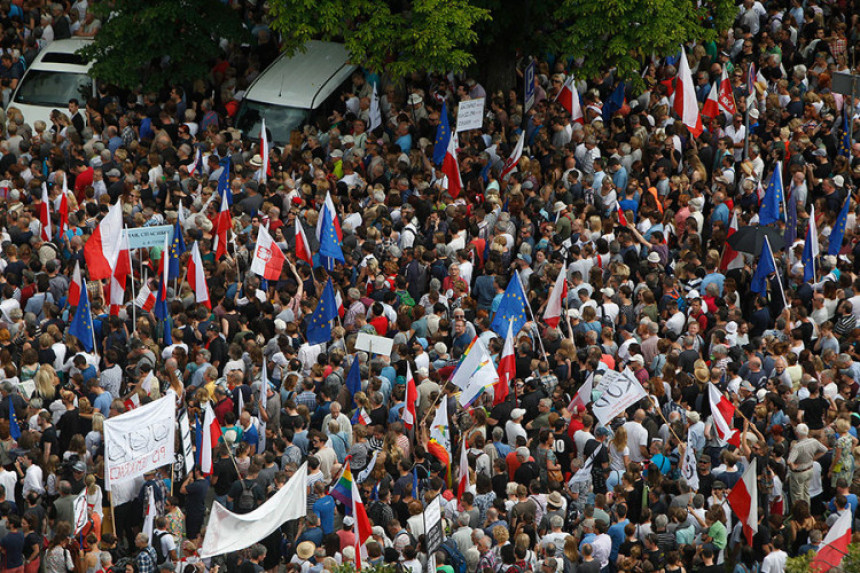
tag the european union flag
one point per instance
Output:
(168, 333)
(511, 309)
(353, 380)
(838, 232)
(224, 180)
(177, 248)
(82, 323)
(161, 301)
(790, 235)
(330, 250)
(443, 136)
(415, 482)
(14, 428)
(319, 329)
(845, 142)
(614, 103)
(773, 199)
(766, 266)
(198, 431)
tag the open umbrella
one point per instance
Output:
(751, 239)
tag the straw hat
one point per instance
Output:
(306, 549)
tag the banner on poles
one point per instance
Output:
(435, 534)
(186, 442)
(622, 391)
(146, 237)
(470, 114)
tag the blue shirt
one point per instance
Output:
(616, 534)
(716, 278)
(324, 508)
(102, 403)
(721, 213)
(404, 142)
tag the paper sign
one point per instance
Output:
(470, 114)
(622, 392)
(374, 344)
(146, 237)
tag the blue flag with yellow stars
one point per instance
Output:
(766, 266)
(774, 198)
(612, 105)
(330, 250)
(177, 248)
(845, 142)
(224, 180)
(511, 309)
(838, 232)
(14, 428)
(82, 323)
(353, 381)
(443, 136)
(319, 327)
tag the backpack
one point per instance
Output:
(246, 502)
(453, 555)
(160, 556)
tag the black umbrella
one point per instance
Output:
(751, 239)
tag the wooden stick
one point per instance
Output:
(660, 411)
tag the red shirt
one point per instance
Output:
(380, 323)
(82, 181)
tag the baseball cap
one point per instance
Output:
(517, 413)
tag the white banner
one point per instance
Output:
(688, 465)
(186, 442)
(622, 392)
(470, 114)
(80, 511)
(139, 441)
(228, 531)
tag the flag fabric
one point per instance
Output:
(360, 417)
(45, 214)
(774, 198)
(712, 103)
(809, 258)
(353, 380)
(361, 526)
(511, 309)
(330, 248)
(751, 77)
(14, 428)
(439, 429)
(463, 470)
(151, 511)
(224, 190)
(512, 161)
(765, 267)
(264, 153)
(319, 328)
(268, 258)
(722, 415)
(197, 277)
(834, 546)
(583, 474)
(223, 224)
(119, 277)
(211, 434)
(583, 395)
(790, 234)
(365, 473)
(303, 248)
(568, 97)
(834, 244)
(622, 218)
(146, 298)
(727, 95)
(688, 466)
(743, 500)
(329, 206)
(685, 103)
(443, 136)
(76, 285)
(845, 142)
(481, 373)
(101, 250)
(557, 296)
(731, 259)
(451, 169)
(82, 323)
(342, 488)
(507, 370)
(409, 412)
(614, 103)
(196, 166)
(341, 309)
(375, 115)
(177, 249)
(263, 401)
(64, 210)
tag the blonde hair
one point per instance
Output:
(44, 380)
(620, 439)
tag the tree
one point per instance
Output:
(159, 42)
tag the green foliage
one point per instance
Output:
(800, 564)
(157, 42)
(383, 36)
(350, 568)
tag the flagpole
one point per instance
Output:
(133, 296)
(778, 280)
(93, 330)
(531, 313)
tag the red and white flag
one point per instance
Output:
(198, 159)
(119, 278)
(329, 204)
(268, 257)
(197, 277)
(409, 413)
(211, 433)
(264, 153)
(76, 285)
(463, 471)
(363, 417)
(622, 218)
(341, 309)
(361, 526)
(744, 501)
(727, 95)
(45, 214)
(835, 545)
(514, 159)
(723, 413)
(145, 298)
(64, 210)
(303, 248)
(507, 369)
(223, 223)
(101, 250)
(568, 97)
(686, 105)
(451, 169)
(557, 296)
(731, 259)
(712, 104)
(583, 395)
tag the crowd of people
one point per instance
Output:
(625, 201)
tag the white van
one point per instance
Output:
(57, 75)
(291, 90)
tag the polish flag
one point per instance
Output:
(341, 309)
(583, 395)
(329, 204)
(223, 224)
(835, 545)
(145, 298)
(101, 250)
(451, 169)
(363, 417)
(731, 259)
(45, 214)
(198, 160)
(211, 433)
(268, 257)
(507, 369)
(408, 413)
(557, 296)
(64, 210)
(76, 285)
(119, 278)
(568, 97)
(712, 104)
(303, 248)
(727, 95)
(265, 169)
(685, 103)
(511, 162)
(197, 278)
(723, 413)
(622, 218)
(463, 472)
(744, 501)
(361, 526)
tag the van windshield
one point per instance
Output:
(50, 88)
(280, 120)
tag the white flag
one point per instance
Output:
(375, 114)
(149, 522)
(688, 466)
(264, 397)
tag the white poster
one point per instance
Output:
(80, 511)
(187, 442)
(139, 441)
(688, 466)
(622, 392)
(470, 114)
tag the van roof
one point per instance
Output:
(304, 80)
(60, 56)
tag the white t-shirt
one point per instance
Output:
(636, 436)
(774, 562)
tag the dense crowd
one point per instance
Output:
(550, 488)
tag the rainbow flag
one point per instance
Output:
(342, 489)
